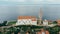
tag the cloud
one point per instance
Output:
(17, 0)
(14, 0)
(37, 0)
(32, 0)
(54, 1)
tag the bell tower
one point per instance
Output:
(40, 17)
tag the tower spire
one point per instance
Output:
(40, 16)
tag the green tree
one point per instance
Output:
(54, 22)
(4, 23)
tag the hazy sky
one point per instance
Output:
(11, 9)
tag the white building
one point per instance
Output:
(45, 22)
(59, 32)
(26, 20)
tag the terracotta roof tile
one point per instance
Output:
(27, 17)
(58, 21)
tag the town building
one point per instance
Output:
(45, 22)
(50, 22)
(26, 20)
(43, 32)
(59, 32)
(27, 33)
(18, 32)
(58, 22)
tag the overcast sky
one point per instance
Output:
(11, 9)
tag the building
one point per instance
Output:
(45, 22)
(59, 32)
(27, 33)
(58, 22)
(40, 17)
(43, 32)
(50, 22)
(26, 20)
(18, 32)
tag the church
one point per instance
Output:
(26, 20)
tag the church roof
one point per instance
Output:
(27, 17)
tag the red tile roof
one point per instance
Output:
(58, 22)
(27, 17)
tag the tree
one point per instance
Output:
(0, 25)
(55, 22)
(4, 23)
